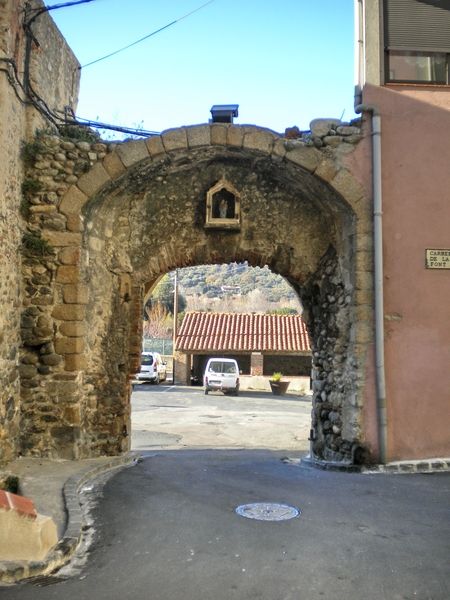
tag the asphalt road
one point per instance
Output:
(166, 416)
(167, 529)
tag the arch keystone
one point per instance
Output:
(235, 135)
(218, 134)
(94, 179)
(198, 135)
(175, 139)
(132, 152)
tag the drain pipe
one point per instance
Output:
(378, 273)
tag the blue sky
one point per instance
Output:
(284, 62)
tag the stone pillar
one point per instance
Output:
(182, 368)
(256, 364)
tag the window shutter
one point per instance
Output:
(422, 25)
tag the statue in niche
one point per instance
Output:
(223, 205)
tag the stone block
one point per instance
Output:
(322, 127)
(364, 312)
(67, 274)
(69, 256)
(155, 145)
(72, 414)
(305, 156)
(348, 130)
(363, 223)
(364, 280)
(218, 134)
(51, 360)
(364, 332)
(364, 260)
(42, 208)
(333, 140)
(93, 180)
(175, 139)
(349, 188)
(259, 140)
(364, 296)
(73, 328)
(27, 371)
(235, 135)
(74, 223)
(113, 165)
(43, 332)
(73, 201)
(61, 238)
(198, 135)
(69, 345)
(74, 362)
(279, 148)
(75, 294)
(69, 312)
(327, 169)
(132, 152)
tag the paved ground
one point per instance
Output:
(166, 529)
(174, 417)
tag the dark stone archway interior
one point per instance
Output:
(151, 220)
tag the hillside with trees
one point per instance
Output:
(234, 287)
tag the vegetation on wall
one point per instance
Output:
(35, 244)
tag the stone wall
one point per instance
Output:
(328, 301)
(18, 119)
(105, 220)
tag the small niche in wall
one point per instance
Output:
(223, 207)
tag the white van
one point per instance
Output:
(221, 374)
(153, 368)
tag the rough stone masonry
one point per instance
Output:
(104, 220)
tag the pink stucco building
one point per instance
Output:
(402, 82)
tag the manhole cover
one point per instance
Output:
(267, 511)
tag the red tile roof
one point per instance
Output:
(242, 332)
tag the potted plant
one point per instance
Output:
(277, 385)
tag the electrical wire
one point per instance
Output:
(32, 97)
(44, 9)
(93, 62)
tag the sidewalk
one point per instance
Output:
(53, 486)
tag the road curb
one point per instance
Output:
(432, 465)
(14, 571)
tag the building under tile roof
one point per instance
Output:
(242, 332)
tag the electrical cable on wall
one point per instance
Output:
(39, 103)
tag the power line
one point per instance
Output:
(146, 36)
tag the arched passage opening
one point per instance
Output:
(154, 218)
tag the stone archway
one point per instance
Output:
(141, 211)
